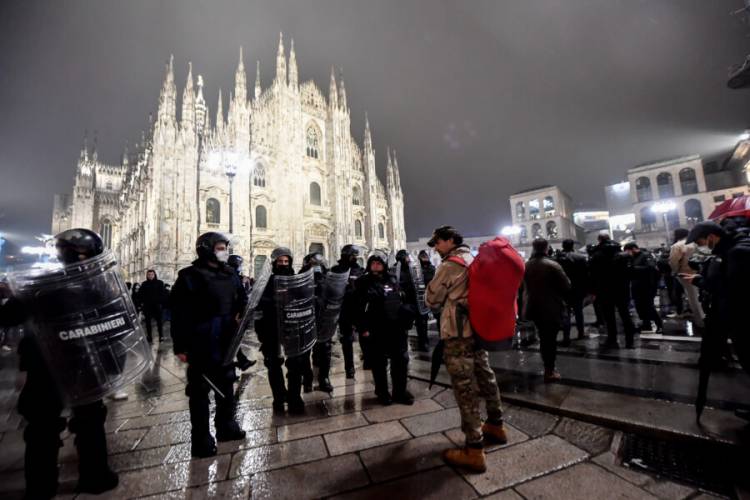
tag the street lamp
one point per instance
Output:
(664, 207)
(230, 169)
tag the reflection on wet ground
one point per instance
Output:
(347, 445)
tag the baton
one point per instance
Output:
(216, 389)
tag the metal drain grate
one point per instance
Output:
(704, 465)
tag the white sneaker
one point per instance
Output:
(119, 396)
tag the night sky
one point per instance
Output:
(480, 99)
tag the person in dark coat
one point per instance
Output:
(428, 272)
(644, 282)
(266, 326)
(381, 319)
(546, 287)
(235, 262)
(576, 269)
(725, 278)
(207, 302)
(348, 261)
(609, 272)
(408, 290)
(151, 296)
(321, 351)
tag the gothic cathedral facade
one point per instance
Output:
(282, 169)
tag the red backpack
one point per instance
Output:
(495, 275)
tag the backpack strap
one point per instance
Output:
(457, 260)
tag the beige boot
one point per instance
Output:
(466, 457)
(494, 434)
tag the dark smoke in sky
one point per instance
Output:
(481, 99)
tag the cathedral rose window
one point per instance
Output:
(313, 140)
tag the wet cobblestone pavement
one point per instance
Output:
(345, 446)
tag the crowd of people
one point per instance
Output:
(377, 305)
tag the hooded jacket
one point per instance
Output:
(152, 294)
(449, 291)
(609, 271)
(380, 308)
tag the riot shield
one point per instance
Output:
(247, 318)
(334, 289)
(295, 306)
(415, 269)
(86, 326)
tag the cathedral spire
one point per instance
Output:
(94, 152)
(342, 90)
(257, 79)
(368, 136)
(201, 111)
(85, 146)
(281, 61)
(240, 82)
(293, 76)
(167, 99)
(333, 93)
(396, 173)
(390, 181)
(188, 100)
(219, 115)
(125, 155)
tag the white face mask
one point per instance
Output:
(222, 255)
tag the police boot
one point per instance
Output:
(243, 363)
(470, 457)
(295, 404)
(381, 385)
(229, 431)
(494, 433)
(40, 459)
(202, 446)
(324, 385)
(94, 474)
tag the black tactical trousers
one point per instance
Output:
(548, 341)
(383, 349)
(295, 369)
(273, 362)
(346, 331)
(575, 306)
(41, 405)
(322, 356)
(197, 391)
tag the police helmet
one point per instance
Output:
(76, 243)
(379, 257)
(314, 259)
(280, 252)
(402, 255)
(349, 251)
(204, 245)
(235, 261)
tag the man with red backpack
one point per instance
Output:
(467, 363)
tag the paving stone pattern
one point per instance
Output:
(345, 446)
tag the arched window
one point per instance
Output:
(536, 230)
(688, 181)
(357, 229)
(643, 189)
(520, 211)
(549, 206)
(551, 230)
(648, 219)
(259, 176)
(105, 230)
(314, 193)
(356, 196)
(664, 185)
(381, 231)
(693, 212)
(213, 211)
(313, 140)
(261, 217)
(534, 209)
(317, 248)
(258, 264)
(523, 236)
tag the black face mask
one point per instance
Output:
(282, 270)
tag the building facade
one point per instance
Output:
(544, 212)
(280, 169)
(674, 193)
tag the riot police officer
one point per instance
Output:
(235, 262)
(321, 350)
(267, 328)
(41, 404)
(348, 262)
(381, 319)
(207, 300)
